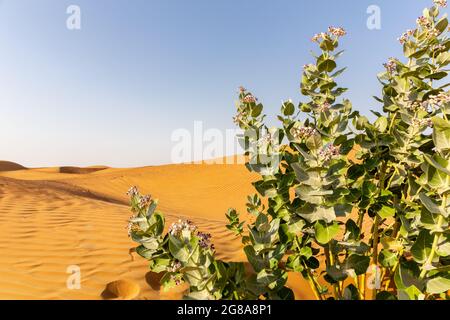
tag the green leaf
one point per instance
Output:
(311, 195)
(256, 110)
(435, 178)
(356, 171)
(306, 252)
(438, 285)
(312, 263)
(337, 273)
(312, 213)
(388, 258)
(358, 263)
(274, 280)
(386, 212)
(294, 263)
(307, 177)
(441, 134)
(314, 142)
(438, 163)
(437, 75)
(352, 229)
(288, 108)
(286, 294)
(327, 45)
(145, 253)
(431, 206)
(327, 65)
(152, 208)
(443, 58)
(325, 232)
(442, 25)
(178, 249)
(409, 293)
(407, 275)
(157, 223)
(421, 249)
(381, 124)
(443, 248)
(351, 293)
(384, 295)
(257, 262)
(338, 73)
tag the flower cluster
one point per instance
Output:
(439, 100)
(132, 227)
(433, 33)
(133, 191)
(144, 201)
(415, 106)
(249, 98)
(438, 47)
(423, 22)
(422, 122)
(324, 107)
(319, 36)
(440, 3)
(267, 139)
(303, 132)
(391, 66)
(205, 240)
(328, 152)
(176, 279)
(174, 266)
(178, 227)
(337, 32)
(405, 36)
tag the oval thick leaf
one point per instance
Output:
(438, 285)
(325, 232)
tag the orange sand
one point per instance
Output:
(51, 219)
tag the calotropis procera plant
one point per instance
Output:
(405, 164)
(182, 254)
(360, 208)
(310, 187)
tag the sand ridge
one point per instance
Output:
(10, 166)
(51, 221)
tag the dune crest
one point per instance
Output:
(79, 170)
(10, 166)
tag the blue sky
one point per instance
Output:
(113, 92)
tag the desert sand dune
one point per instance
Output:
(10, 166)
(78, 170)
(52, 221)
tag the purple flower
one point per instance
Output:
(328, 152)
(205, 240)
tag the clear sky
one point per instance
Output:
(113, 92)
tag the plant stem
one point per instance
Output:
(375, 248)
(313, 286)
(361, 220)
(392, 273)
(330, 262)
(362, 287)
(312, 283)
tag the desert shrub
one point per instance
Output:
(341, 200)
(182, 254)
